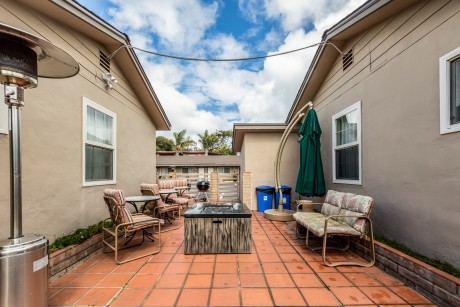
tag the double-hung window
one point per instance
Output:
(449, 73)
(3, 112)
(99, 137)
(346, 145)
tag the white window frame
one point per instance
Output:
(3, 112)
(444, 92)
(86, 103)
(356, 106)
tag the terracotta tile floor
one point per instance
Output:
(280, 271)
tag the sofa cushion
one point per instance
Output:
(337, 199)
(328, 209)
(358, 205)
(314, 222)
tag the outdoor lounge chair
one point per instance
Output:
(167, 212)
(126, 225)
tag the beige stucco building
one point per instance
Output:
(258, 145)
(390, 115)
(78, 136)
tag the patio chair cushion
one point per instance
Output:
(168, 184)
(358, 205)
(315, 224)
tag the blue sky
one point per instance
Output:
(209, 95)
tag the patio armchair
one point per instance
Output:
(186, 193)
(171, 184)
(125, 226)
(165, 211)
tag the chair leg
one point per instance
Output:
(310, 247)
(297, 231)
(115, 247)
(174, 218)
(334, 264)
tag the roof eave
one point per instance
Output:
(93, 26)
(339, 34)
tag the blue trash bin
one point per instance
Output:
(264, 197)
(286, 197)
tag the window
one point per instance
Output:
(449, 72)
(3, 112)
(346, 145)
(224, 170)
(185, 170)
(99, 137)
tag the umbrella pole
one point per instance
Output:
(280, 214)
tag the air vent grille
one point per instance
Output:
(104, 61)
(347, 59)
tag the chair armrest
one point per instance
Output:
(299, 206)
(343, 215)
(357, 216)
(148, 223)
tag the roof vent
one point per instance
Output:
(347, 59)
(104, 61)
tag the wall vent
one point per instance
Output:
(104, 61)
(347, 59)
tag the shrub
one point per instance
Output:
(78, 236)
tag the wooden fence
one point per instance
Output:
(224, 186)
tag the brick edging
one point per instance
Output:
(436, 285)
(63, 260)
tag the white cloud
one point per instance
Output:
(294, 14)
(179, 24)
(198, 95)
(225, 46)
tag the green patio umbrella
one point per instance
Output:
(310, 179)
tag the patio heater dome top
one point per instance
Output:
(24, 57)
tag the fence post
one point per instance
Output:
(214, 187)
(247, 189)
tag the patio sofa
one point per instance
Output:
(342, 214)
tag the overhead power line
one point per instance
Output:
(226, 60)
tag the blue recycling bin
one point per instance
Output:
(264, 197)
(286, 197)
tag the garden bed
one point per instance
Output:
(61, 261)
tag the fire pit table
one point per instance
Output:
(212, 228)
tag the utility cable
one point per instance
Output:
(225, 60)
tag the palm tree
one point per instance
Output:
(181, 142)
(208, 141)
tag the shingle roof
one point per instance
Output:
(187, 160)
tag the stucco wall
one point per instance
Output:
(408, 167)
(259, 152)
(54, 199)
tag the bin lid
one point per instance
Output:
(24, 243)
(265, 188)
(286, 189)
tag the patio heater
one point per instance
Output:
(24, 258)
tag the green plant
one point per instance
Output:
(443, 266)
(78, 236)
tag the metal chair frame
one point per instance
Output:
(128, 230)
(327, 235)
